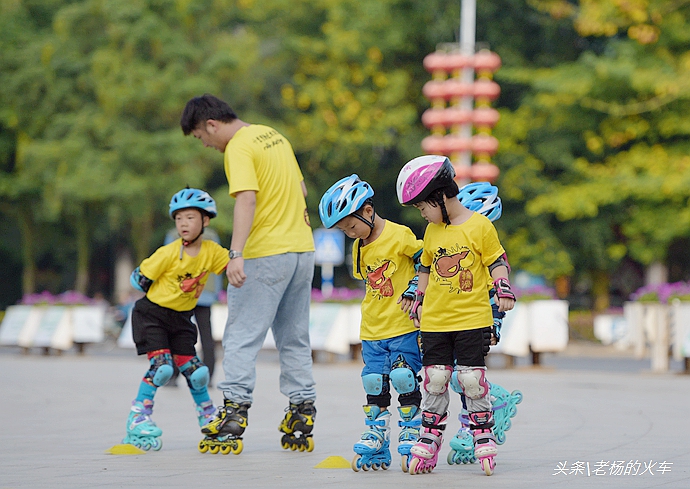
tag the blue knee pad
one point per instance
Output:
(455, 383)
(161, 369)
(196, 373)
(373, 384)
(403, 380)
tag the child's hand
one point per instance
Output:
(505, 304)
(416, 320)
(405, 303)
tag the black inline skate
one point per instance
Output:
(297, 426)
(224, 432)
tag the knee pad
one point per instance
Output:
(403, 380)
(196, 373)
(373, 384)
(472, 381)
(161, 368)
(436, 378)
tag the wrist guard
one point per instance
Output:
(418, 299)
(411, 288)
(503, 290)
(139, 281)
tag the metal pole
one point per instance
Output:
(468, 21)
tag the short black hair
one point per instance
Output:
(200, 109)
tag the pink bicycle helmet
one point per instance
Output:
(421, 176)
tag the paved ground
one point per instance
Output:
(586, 412)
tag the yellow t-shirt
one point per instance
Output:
(456, 298)
(259, 158)
(178, 283)
(387, 266)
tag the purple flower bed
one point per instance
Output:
(340, 294)
(536, 292)
(663, 293)
(69, 298)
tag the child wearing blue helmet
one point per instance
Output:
(482, 197)
(162, 321)
(385, 259)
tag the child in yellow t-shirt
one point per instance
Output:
(385, 258)
(461, 252)
(163, 321)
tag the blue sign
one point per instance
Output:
(330, 246)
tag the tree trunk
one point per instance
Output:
(83, 251)
(600, 290)
(28, 232)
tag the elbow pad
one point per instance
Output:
(139, 281)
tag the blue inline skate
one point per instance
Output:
(504, 407)
(205, 412)
(410, 422)
(142, 432)
(373, 448)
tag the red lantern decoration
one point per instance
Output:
(455, 117)
(435, 62)
(456, 89)
(484, 172)
(432, 118)
(458, 61)
(486, 89)
(434, 145)
(456, 144)
(484, 144)
(462, 172)
(485, 117)
(486, 61)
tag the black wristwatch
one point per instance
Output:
(235, 254)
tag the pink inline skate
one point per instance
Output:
(484, 441)
(425, 452)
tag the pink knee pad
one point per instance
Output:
(436, 378)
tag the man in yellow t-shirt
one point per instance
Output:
(271, 267)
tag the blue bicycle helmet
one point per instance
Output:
(344, 198)
(192, 198)
(481, 197)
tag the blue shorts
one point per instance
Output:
(378, 355)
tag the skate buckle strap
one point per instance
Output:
(375, 422)
(413, 423)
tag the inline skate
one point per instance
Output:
(504, 407)
(373, 448)
(410, 422)
(224, 432)
(142, 432)
(297, 426)
(425, 451)
(206, 412)
(484, 441)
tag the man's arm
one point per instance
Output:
(304, 188)
(243, 217)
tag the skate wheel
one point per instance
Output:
(301, 447)
(293, 447)
(517, 395)
(310, 444)
(413, 465)
(385, 465)
(237, 449)
(356, 463)
(157, 444)
(203, 448)
(486, 466)
(403, 463)
(214, 449)
(285, 445)
(225, 449)
(146, 446)
(451, 457)
(375, 466)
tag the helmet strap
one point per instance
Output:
(187, 243)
